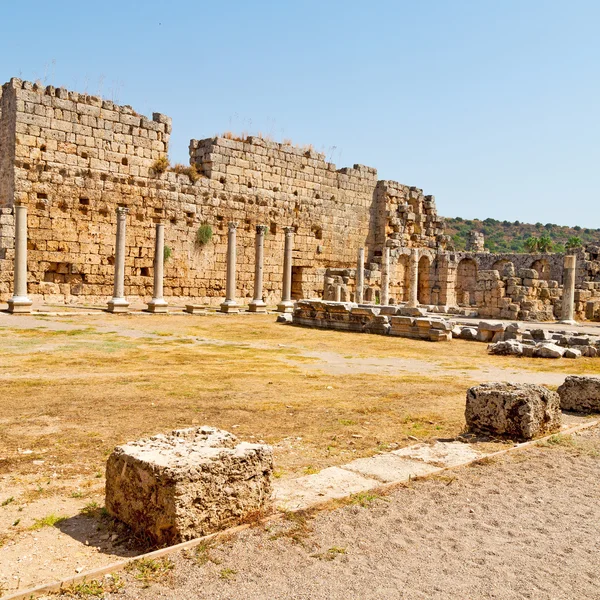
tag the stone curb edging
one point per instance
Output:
(120, 565)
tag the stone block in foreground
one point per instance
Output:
(517, 410)
(580, 394)
(187, 484)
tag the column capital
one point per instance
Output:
(261, 229)
(289, 230)
(122, 211)
(232, 225)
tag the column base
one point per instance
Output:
(229, 306)
(158, 306)
(285, 306)
(19, 305)
(195, 309)
(118, 305)
(568, 322)
(257, 306)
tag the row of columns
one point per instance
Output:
(257, 304)
(20, 303)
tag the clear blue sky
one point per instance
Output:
(493, 106)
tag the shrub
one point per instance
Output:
(204, 234)
(160, 165)
(191, 171)
(167, 253)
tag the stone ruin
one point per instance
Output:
(517, 410)
(385, 320)
(187, 484)
(82, 168)
(580, 394)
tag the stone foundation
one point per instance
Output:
(187, 484)
(384, 320)
(519, 411)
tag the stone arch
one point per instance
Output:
(424, 281)
(400, 283)
(466, 282)
(500, 264)
(542, 266)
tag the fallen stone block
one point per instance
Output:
(548, 351)
(572, 353)
(520, 411)
(187, 484)
(411, 311)
(468, 333)
(580, 394)
(285, 318)
(540, 335)
(507, 348)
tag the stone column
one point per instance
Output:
(385, 277)
(230, 305)
(20, 303)
(118, 303)
(158, 303)
(338, 292)
(568, 297)
(413, 278)
(287, 304)
(257, 305)
(360, 276)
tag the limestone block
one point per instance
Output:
(187, 484)
(517, 410)
(506, 348)
(468, 333)
(548, 351)
(580, 394)
(572, 353)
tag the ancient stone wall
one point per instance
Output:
(74, 158)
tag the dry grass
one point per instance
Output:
(78, 393)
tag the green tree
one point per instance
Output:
(573, 243)
(532, 244)
(545, 243)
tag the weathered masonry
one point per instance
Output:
(73, 159)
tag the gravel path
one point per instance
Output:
(524, 526)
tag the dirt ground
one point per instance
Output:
(523, 526)
(73, 387)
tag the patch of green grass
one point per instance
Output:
(93, 510)
(201, 554)
(559, 439)
(92, 589)
(47, 521)
(365, 499)
(347, 422)
(227, 573)
(299, 528)
(310, 470)
(148, 570)
(330, 554)
(8, 501)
